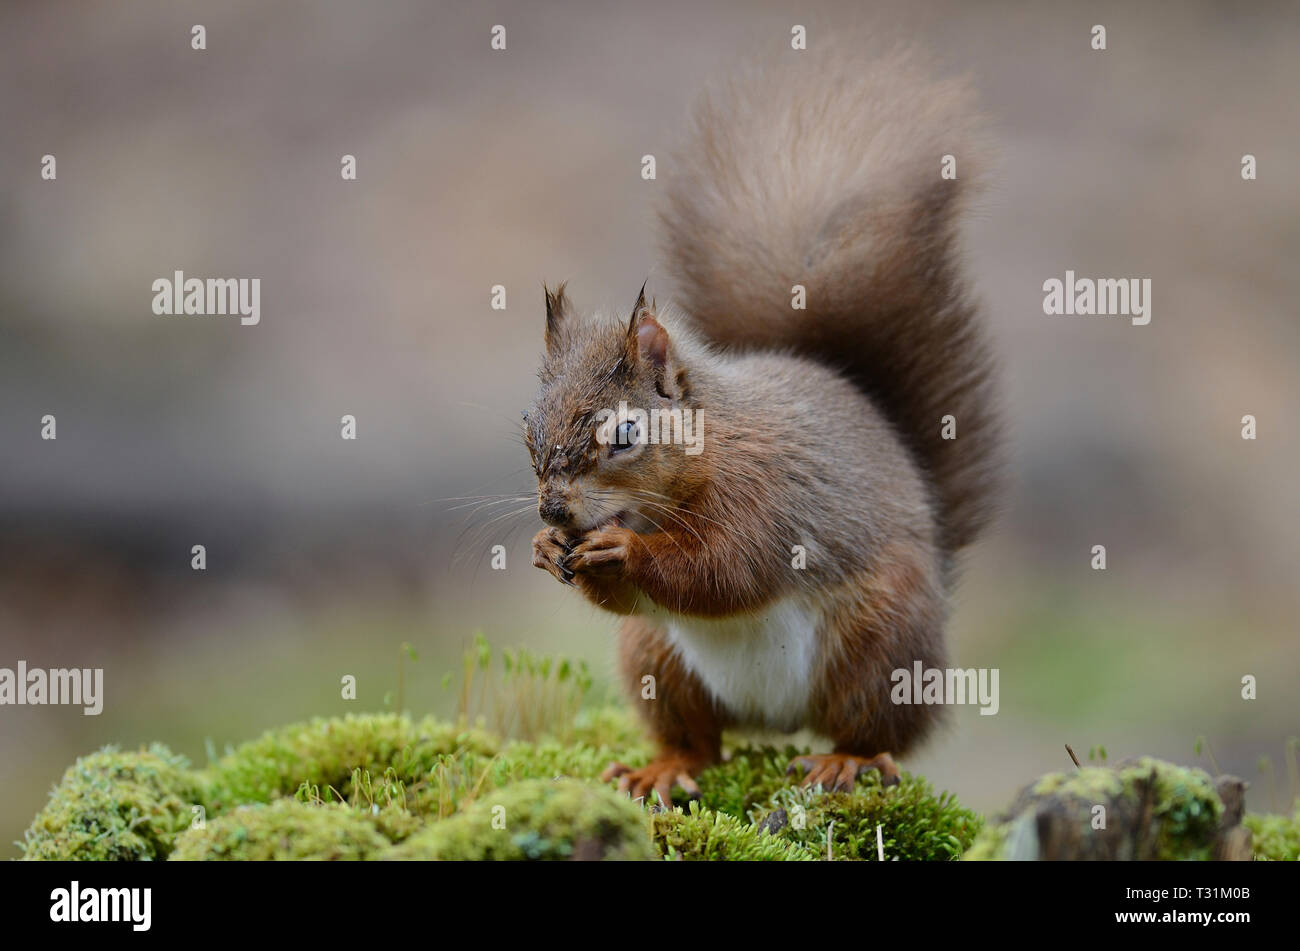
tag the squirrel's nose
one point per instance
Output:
(554, 511)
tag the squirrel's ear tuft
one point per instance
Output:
(647, 339)
(557, 311)
(638, 307)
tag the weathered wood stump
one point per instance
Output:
(1138, 810)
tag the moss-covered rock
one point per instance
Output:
(536, 820)
(113, 805)
(369, 785)
(1152, 810)
(284, 830)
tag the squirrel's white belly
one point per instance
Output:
(758, 666)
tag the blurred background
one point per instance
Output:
(477, 168)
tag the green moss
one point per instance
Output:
(536, 820)
(1177, 806)
(915, 824)
(1274, 838)
(284, 830)
(699, 834)
(615, 728)
(394, 824)
(518, 694)
(457, 780)
(325, 753)
(364, 785)
(1091, 784)
(116, 806)
(1187, 806)
(990, 845)
(748, 779)
(548, 760)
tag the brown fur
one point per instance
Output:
(826, 173)
(687, 720)
(821, 427)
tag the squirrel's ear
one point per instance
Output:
(557, 311)
(647, 340)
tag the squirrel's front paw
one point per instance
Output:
(602, 550)
(660, 776)
(550, 549)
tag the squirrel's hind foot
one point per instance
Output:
(838, 772)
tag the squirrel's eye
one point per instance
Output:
(625, 437)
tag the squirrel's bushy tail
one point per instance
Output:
(826, 173)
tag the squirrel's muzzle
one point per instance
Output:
(554, 510)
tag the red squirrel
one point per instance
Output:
(822, 341)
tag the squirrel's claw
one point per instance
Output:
(550, 551)
(603, 549)
(660, 776)
(838, 772)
